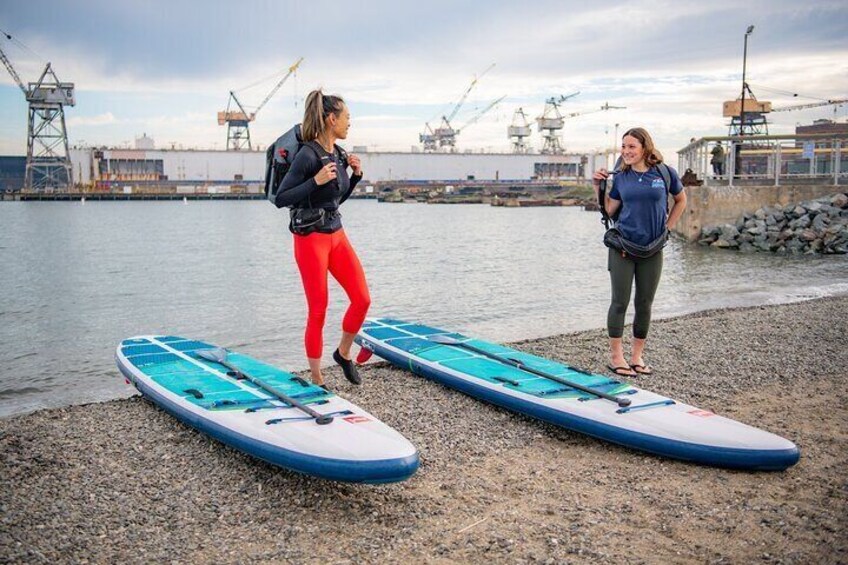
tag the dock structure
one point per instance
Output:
(758, 171)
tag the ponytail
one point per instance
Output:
(317, 108)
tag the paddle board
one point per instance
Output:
(633, 417)
(355, 446)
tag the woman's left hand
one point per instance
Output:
(355, 164)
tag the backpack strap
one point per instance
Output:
(337, 151)
(666, 175)
(342, 155)
(315, 147)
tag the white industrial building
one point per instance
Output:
(104, 167)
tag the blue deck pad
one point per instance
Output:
(384, 333)
(528, 383)
(211, 386)
(490, 347)
(140, 349)
(162, 362)
(169, 338)
(281, 380)
(137, 341)
(546, 365)
(470, 363)
(185, 346)
(439, 353)
(391, 322)
(411, 344)
(418, 329)
(179, 375)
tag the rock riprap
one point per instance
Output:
(814, 226)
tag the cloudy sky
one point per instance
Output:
(165, 68)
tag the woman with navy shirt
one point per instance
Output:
(639, 196)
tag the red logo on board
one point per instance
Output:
(356, 419)
(701, 413)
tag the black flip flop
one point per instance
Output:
(348, 367)
(645, 370)
(617, 371)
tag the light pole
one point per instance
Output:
(615, 145)
(738, 149)
(744, 65)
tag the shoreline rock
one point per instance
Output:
(812, 227)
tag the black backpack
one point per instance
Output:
(605, 218)
(279, 158)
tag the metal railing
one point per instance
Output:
(769, 159)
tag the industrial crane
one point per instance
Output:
(428, 138)
(238, 119)
(448, 139)
(835, 103)
(518, 130)
(48, 164)
(755, 112)
(552, 121)
(445, 134)
(606, 106)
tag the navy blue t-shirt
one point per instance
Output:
(643, 203)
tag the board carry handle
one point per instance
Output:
(219, 356)
(447, 340)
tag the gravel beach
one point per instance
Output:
(123, 482)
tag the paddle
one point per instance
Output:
(447, 340)
(219, 355)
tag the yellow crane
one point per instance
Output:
(237, 119)
(836, 103)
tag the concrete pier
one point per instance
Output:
(716, 205)
(758, 171)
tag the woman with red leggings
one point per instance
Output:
(314, 187)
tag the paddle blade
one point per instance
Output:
(443, 339)
(215, 355)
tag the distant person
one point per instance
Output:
(315, 186)
(717, 160)
(639, 197)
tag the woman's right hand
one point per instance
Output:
(326, 174)
(600, 174)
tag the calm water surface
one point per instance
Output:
(76, 279)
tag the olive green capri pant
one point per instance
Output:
(623, 271)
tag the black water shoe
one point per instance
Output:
(348, 367)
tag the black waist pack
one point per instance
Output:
(614, 240)
(304, 221)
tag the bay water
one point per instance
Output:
(77, 278)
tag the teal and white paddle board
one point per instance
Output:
(556, 392)
(354, 446)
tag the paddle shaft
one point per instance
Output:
(525, 368)
(320, 418)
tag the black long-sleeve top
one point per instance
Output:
(299, 189)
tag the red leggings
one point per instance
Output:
(316, 254)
